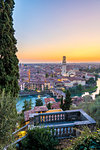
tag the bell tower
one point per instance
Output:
(64, 66)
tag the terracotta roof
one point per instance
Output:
(49, 100)
(55, 105)
(90, 75)
(75, 78)
(40, 108)
(27, 113)
(36, 109)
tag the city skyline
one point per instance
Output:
(48, 30)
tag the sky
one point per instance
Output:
(46, 30)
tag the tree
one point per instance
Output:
(67, 101)
(46, 75)
(30, 104)
(87, 141)
(79, 87)
(8, 119)
(87, 98)
(61, 105)
(39, 139)
(49, 105)
(8, 60)
(91, 81)
(39, 102)
(92, 108)
(27, 105)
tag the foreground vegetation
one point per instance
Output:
(87, 141)
(92, 108)
(9, 72)
(8, 119)
(39, 139)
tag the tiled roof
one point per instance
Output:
(56, 105)
(40, 108)
(49, 100)
(27, 113)
(36, 109)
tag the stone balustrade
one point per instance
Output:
(61, 124)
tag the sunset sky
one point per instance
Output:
(46, 30)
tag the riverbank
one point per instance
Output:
(80, 90)
(33, 93)
(90, 90)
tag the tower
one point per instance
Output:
(64, 66)
(29, 75)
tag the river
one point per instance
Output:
(20, 101)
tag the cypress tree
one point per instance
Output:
(25, 107)
(67, 101)
(61, 105)
(8, 60)
(38, 102)
(30, 104)
(49, 105)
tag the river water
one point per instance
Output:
(20, 101)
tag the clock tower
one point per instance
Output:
(64, 66)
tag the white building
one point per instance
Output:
(71, 81)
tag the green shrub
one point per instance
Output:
(38, 102)
(87, 141)
(39, 139)
(8, 119)
(92, 108)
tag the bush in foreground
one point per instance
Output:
(39, 139)
(8, 119)
(87, 141)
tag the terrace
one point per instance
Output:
(62, 124)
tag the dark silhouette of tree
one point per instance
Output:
(46, 75)
(49, 105)
(61, 105)
(9, 72)
(27, 105)
(39, 102)
(39, 139)
(91, 81)
(67, 101)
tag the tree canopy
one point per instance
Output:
(27, 105)
(67, 101)
(39, 102)
(9, 72)
(39, 139)
(8, 119)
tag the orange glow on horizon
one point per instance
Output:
(90, 54)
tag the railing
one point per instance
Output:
(48, 118)
(63, 131)
(56, 117)
(61, 124)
